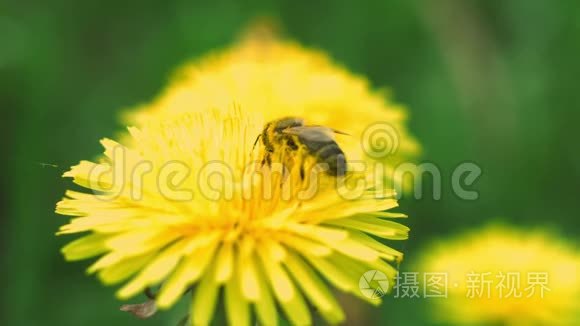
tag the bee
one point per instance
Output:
(292, 135)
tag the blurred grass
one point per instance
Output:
(494, 82)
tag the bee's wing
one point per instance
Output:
(334, 130)
(311, 133)
(320, 130)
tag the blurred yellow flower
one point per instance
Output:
(280, 78)
(507, 276)
(157, 216)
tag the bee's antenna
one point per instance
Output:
(256, 142)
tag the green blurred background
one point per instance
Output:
(493, 81)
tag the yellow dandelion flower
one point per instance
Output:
(506, 276)
(280, 78)
(187, 204)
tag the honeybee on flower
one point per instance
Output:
(258, 253)
(190, 201)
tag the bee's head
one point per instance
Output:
(285, 123)
(274, 128)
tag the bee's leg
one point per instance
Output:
(267, 159)
(286, 165)
(302, 173)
